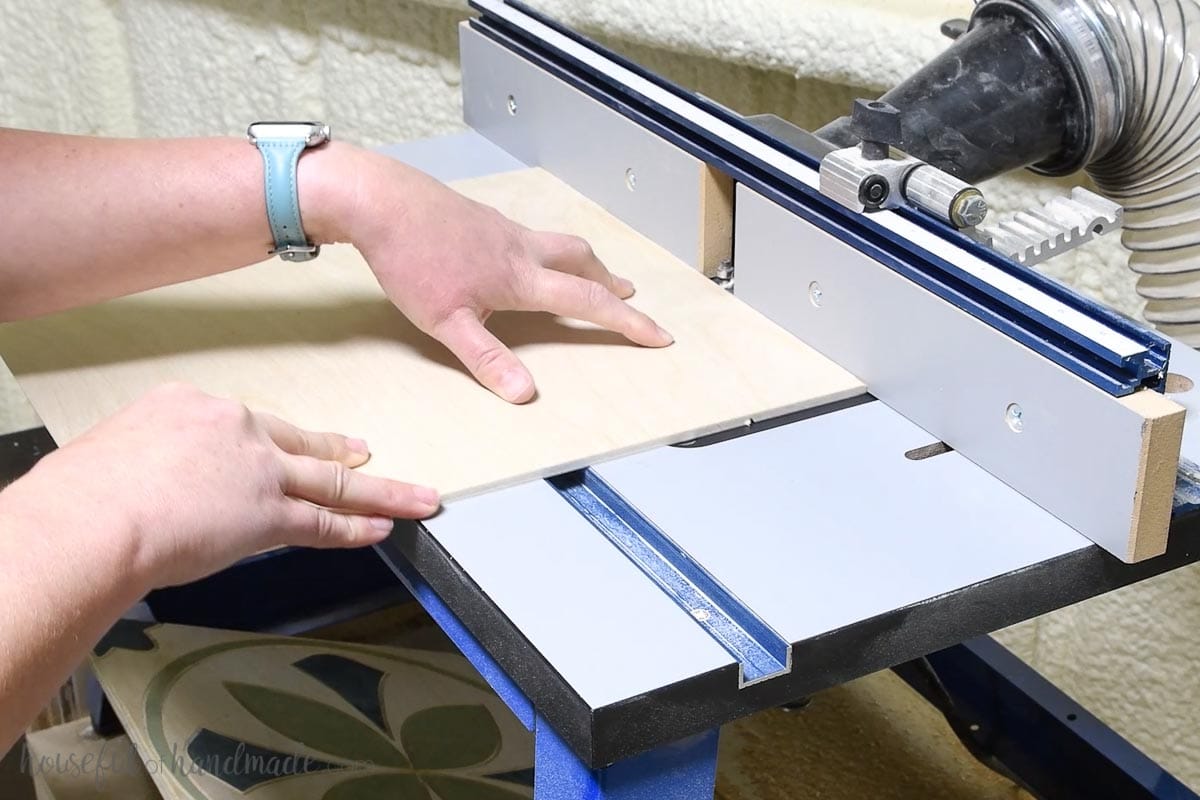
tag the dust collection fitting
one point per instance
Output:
(1026, 83)
(1062, 85)
(1089, 54)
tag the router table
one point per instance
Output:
(625, 693)
(781, 558)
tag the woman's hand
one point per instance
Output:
(195, 207)
(199, 483)
(447, 262)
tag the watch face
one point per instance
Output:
(313, 133)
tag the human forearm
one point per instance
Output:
(87, 219)
(67, 577)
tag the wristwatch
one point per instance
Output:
(281, 144)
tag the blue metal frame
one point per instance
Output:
(685, 770)
(1009, 715)
(467, 644)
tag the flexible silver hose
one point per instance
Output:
(1153, 169)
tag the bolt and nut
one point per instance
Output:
(969, 209)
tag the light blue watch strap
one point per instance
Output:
(281, 144)
(280, 159)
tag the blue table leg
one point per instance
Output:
(467, 644)
(684, 770)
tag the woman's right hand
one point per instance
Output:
(199, 482)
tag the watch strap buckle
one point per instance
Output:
(296, 252)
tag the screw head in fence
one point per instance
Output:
(816, 295)
(1014, 415)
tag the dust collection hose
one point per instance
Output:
(1112, 86)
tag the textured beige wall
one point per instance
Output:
(64, 66)
(382, 71)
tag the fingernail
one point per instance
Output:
(513, 385)
(427, 495)
(668, 337)
(382, 524)
(625, 285)
(358, 446)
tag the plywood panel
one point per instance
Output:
(1162, 441)
(320, 345)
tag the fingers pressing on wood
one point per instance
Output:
(574, 256)
(336, 486)
(313, 526)
(488, 359)
(327, 446)
(571, 296)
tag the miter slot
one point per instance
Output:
(760, 651)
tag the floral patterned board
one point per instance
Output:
(220, 715)
(71, 762)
